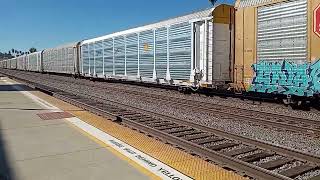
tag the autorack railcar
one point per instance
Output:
(193, 49)
(63, 59)
(269, 46)
(3, 64)
(22, 62)
(34, 61)
(13, 63)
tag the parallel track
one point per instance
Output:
(207, 142)
(300, 125)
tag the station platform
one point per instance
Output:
(45, 138)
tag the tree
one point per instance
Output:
(213, 2)
(32, 50)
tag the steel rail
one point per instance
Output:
(264, 145)
(242, 115)
(215, 156)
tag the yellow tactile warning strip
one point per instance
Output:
(179, 160)
(121, 156)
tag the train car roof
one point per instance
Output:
(171, 21)
(34, 53)
(73, 44)
(248, 3)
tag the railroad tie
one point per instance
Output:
(149, 121)
(177, 130)
(198, 136)
(142, 119)
(275, 163)
(255, 157)
(161, 124)
(208, 140)
(236, 152)
(162, 128)
(186, 133)
(293, 172)
(128, 113)
(222, 146)
(133, 116)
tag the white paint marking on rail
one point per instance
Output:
(155, 166)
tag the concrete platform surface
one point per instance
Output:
(36, 149)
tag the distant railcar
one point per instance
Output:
(22, 62)
(13, 63)
(3, 64)
(63, 59)
(34, 61)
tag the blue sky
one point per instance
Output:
(48, 23)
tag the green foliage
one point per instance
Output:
(32, 50)
(15, 53)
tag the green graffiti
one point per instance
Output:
(284, 77)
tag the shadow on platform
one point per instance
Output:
(6, 171)
(15, 87)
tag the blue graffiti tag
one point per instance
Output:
(284, 77)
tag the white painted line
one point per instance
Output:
(155, 166)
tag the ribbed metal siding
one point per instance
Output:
(21, 63)
(85, 59)
(180, 51)
(282, 31)
(91, 58)
(13, 63)
(108, 57)
(119, 55)
(132, 54)
(161, 52)
(60, 59)
(247, 3)
(33, 62)
(146, 54)
(98, 55)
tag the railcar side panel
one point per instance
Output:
(195, 49)
(21, 62)
(34, 61)
(275, 47)
(13, 64)
(61, 59)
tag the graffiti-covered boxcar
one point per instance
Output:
(278, 46)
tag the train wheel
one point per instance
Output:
(286, 101)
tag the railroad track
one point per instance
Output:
(306, 126)
(300, 125)
(236, 152)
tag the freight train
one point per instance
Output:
(265, 47)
